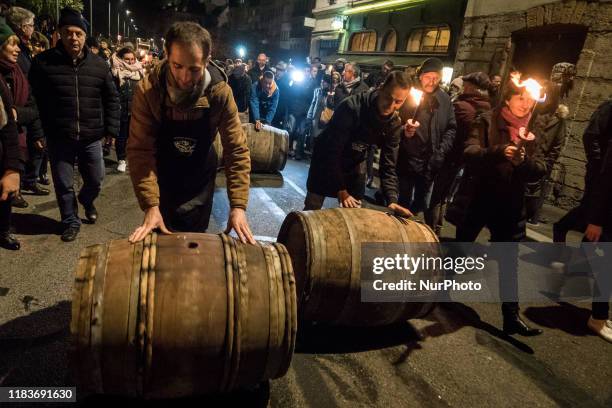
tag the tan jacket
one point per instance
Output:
(145, 125)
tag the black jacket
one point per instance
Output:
(598, 179)
(342, 92)
(255, 73)
(25, 58)
(339, 156)
(27, 115)
(241, 88)
(75, 100)
(126, 94)
(10, 154)
(426, 152)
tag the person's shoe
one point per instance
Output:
(44, 180)
(70, 234)
(9, 241)
(513, 324)
(601, 328)
(532, 222)
(91, 214)
(121, 166)
(35, 189)
(19, 202)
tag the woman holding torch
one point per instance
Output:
(499, 162)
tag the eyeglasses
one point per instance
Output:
(28, 25)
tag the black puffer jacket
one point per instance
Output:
(76, 100)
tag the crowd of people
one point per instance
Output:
(478, 154)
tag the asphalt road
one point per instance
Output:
(456, 357)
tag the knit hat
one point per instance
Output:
(430, 65)
(5, 33)
(478, 79)
(72, 17)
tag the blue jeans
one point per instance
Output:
(64, 153)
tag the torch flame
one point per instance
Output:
(416, 95)
(534, 89)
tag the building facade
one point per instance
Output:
(404, 31)
(532, 36)
(275, 27)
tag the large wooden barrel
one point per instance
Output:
(325, 249)
(268, 148)
(182, 314)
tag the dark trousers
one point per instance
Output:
(5, 216)
(503, 229)
(298, 134)
(122, 137)
(414, 192)
(63, 154)
(33, 165)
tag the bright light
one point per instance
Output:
(297, 75)
(416, 95)
(127, 12)
(241, 51)
(381, 5)
(447, 75)
(337, 23)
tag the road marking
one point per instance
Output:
(295, 187)
(264, 238)
(267, 200)
(536, 236)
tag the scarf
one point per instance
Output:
(186, 98)
(124, 71)
(272, 88)
(513, 124)
(352, 84)
(20, 89)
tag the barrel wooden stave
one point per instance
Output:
(325, 248)
(268, 148)
(203, 308)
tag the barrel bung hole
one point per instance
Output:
(193, 245)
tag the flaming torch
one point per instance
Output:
(534, 89)
(416, 96)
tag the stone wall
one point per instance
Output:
(485, 45)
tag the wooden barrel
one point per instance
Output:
(325, 249)
(182, 314)
(268, 148)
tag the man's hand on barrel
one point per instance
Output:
(258, 125)
(399, 210)
(238, 222)
(152, 219)
(347, 201)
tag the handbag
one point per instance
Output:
(326, 115)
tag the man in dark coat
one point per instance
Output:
(469, 104)
(241, 84)
(79, 106)
(339, 158)
(375, 79)
(259, 68)
(425, 148)
(594, 214)
(351, 83)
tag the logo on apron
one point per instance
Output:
(185, 145)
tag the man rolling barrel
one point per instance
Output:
(176, 112)
(338, 167)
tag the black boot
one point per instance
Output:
(513, 324)
(9, 241)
